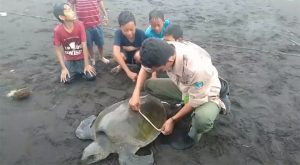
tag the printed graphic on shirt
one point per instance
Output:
(199, 84)
(72, 46)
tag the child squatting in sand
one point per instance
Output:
(127, 42)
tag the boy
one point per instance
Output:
(158, 24)
(127, 42)
(71, 38)
(175, 33)
(193, 79)
(89, 13)
(157, 28)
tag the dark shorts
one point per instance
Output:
(76, 68)
(94, 35)
(129, 57)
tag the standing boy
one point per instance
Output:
(70, 45)
(88, 11)
(127, 42)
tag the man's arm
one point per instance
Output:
(199, 91)
(197, 94)
(134, 102)
(168, 126)
(186, 109)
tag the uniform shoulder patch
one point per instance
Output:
(198, 84)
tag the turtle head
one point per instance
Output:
(93, 153)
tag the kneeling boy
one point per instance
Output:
(71, 38)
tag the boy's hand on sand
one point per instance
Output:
(168, 127)
(132, 76)
(91, 70)
(134, 103)
(64, 74)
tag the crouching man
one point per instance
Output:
(192, 80)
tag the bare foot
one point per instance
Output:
(104, 60)
(116, 69)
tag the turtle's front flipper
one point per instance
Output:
(128, 158)
(84, 130)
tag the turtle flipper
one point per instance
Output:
(84, 130)
(97, 150)
(128, 158)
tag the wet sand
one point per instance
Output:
(262, 129)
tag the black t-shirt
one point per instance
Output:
(121, 40)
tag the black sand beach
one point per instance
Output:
(263, 128)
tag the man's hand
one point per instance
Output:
(134, 103)
(64, 74)
(168, 127)
(91, 70)
(129, 48)
(132, 75)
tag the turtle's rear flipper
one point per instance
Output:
(127, 158)
(84, 130)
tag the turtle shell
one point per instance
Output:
(124, 126)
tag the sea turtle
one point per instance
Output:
(117, 129)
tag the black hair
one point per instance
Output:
(155, 52)
(175, 31)
(154, 14)
(58, 9)
(125, 17)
